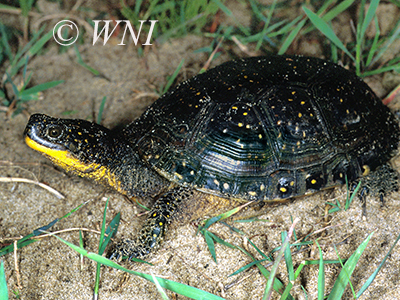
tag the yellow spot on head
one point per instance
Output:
(245, 114)
(283, 189)
(161, 224)
(313, 181)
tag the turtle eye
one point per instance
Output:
(54, 132)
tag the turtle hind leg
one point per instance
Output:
(383, 181)
(155, 226)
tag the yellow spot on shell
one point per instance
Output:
(240, 124)
(367, 170)
(300, 115)
(283, 189)
(313, 181)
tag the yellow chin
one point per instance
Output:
(69, 163)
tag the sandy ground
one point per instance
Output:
(50, 270)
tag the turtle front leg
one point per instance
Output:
(155, 226)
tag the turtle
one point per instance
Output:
(268, 128)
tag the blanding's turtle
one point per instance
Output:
(254, 129)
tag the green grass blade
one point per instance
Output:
(288, 257)
(335, 11)
(101, 109)
(321, 274)
(372, 277)
(274, 270)
(248, 266)
(26, 240)
(288, 41)
(229, 13)
(33, 50)
(173, 286)
(221, 217)
(350, 199)
(173, 77)
(83, 64)
(278, 285)
(371, 12)
(348, 268)
(24, 50)
(210, 244)
(4, 41)
(3, 283)
(159, 288)
(100, 252)
(322, 26)
(259, 251)
(374, 46)
(392, 38)
(27, 94)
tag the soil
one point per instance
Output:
(49, 269)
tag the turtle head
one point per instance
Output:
(78, 146)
